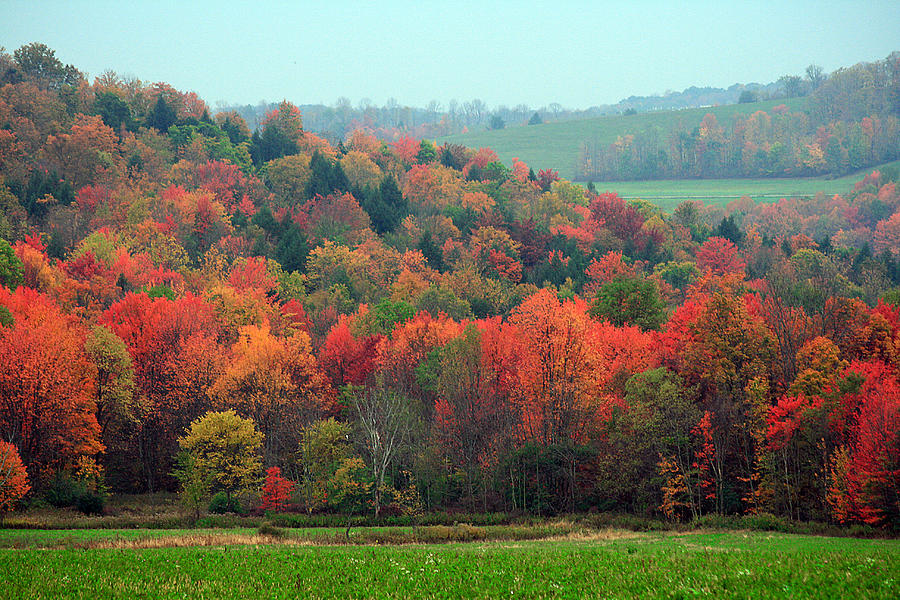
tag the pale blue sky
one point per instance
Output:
(576, 53)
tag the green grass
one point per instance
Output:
(557, 145)
(721, 565)
(668, 193)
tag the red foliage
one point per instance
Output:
(786, 417)
(622, 220)
(705, 456)
(406, 149)
(46, 384)
(13, 477)
(251, 274)
(345, 358)
(719, 256)
(277, 491)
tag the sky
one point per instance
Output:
(577, 54)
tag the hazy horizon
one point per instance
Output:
(505, 53)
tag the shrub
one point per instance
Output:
(222, 503)
(266, 528)
(90, 503)
(62, 491)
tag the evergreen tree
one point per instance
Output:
(162, 116)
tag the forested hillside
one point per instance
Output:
(410, 325)
(849, 122)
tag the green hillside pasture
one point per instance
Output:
(669, 193)
(607, 565)
(557, 145)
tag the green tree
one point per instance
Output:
(440, 299)
(629, 301)
(746, 97)
(655, 424)
(162, 116)
(324, 447)
(11, 273)
(38, 62)
(224, 450)
(195, 484)
(113, 110)
(114, 390)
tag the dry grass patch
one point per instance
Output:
(194, 540)
(594, 535)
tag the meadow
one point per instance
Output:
(556, 145)
(669, 193)
(607, 564)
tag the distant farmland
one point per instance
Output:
(668, 193)
(557, 145)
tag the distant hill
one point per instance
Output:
(335, 122)
(557, 145)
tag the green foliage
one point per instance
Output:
(38, 62)
(387, 314)
(6, 317)
(431, 251)
(90, 503)
(114, 111)
(62, 490)
(629, 301)
(747, 97)
(440, 299)
(427, 152)
(496, 171)
(160, 290)
(67, 490)
(350, 487)
(324, 446)
(384, 204)
(326, 176)
(677, 274)
(11, 273)
(161, 116)
(194, 484)
(292, 249)
(222, 503)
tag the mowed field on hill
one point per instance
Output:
(669, 193)
(557, 145)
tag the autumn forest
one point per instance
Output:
(274, 320)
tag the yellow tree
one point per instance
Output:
(224, 451)
(276, 382)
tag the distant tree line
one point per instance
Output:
(851, 122)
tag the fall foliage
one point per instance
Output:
(186, 303)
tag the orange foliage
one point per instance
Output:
(46, 384)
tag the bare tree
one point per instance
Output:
(385, 422)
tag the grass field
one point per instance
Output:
(669, 193)
(611, 564)
(557, 145)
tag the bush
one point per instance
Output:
(90, 503)
(221, 503)
(62, 491)
(266, 528)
